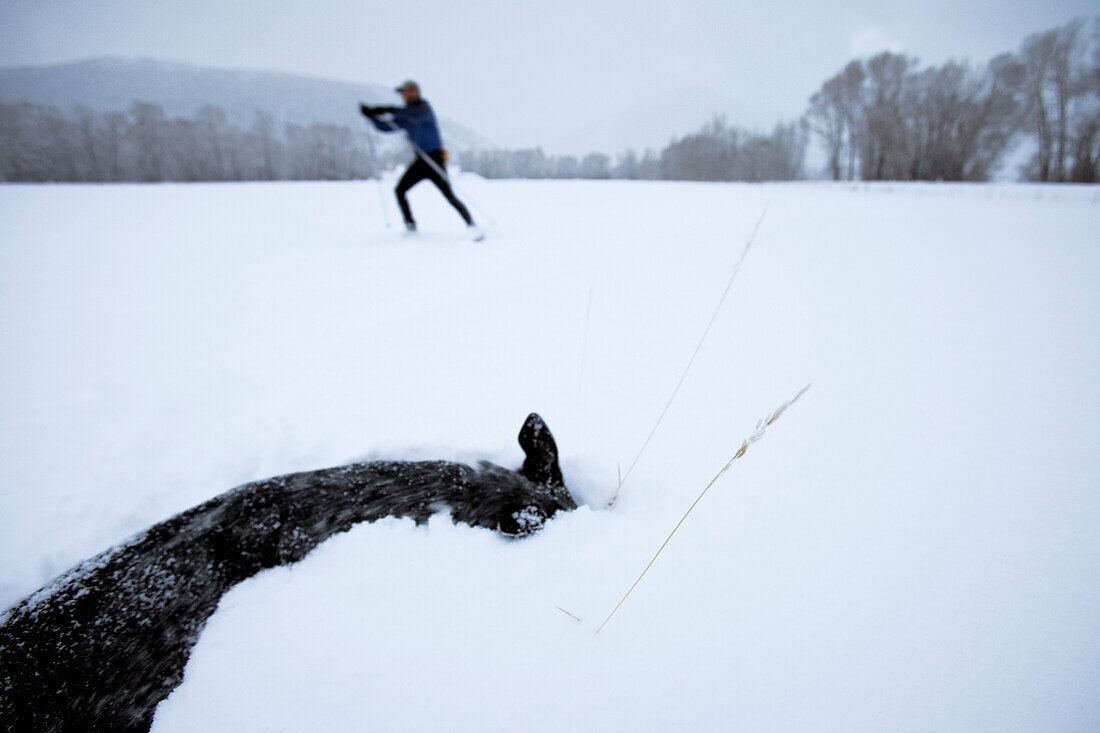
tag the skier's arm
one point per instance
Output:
(372, 114)
(409, 117)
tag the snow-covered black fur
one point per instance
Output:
(100, 646)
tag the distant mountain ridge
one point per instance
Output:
(113, 84)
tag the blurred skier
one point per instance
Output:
(418, 121)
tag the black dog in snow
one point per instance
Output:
(100, 646)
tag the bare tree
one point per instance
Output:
(91, 138)
(835, 114)
(1085, 131)
(216, 140)
(851, 99)
(826, 118)
(887, 99)
(1050, 59)
(146, 140)
(269, 148)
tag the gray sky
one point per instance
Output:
(562, 74)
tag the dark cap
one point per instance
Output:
(408, 86)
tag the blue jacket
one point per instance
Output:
(418, 121)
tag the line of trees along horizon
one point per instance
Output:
(718, 152)
(39, 143)
(881, 118)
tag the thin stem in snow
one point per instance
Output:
(756, 435)
(698, 347)
(567, 613)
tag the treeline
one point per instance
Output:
(881, 118)
(884, 119)
(39, 143)
(534, 163)
(715, 153)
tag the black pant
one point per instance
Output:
(417, 172)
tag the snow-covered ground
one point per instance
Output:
(913, 546)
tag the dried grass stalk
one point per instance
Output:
(757, 434)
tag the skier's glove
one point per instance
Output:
(373, 111)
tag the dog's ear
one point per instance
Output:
(541, 464)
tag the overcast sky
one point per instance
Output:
(556, 73)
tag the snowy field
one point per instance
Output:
(914, 545)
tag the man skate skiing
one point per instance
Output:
(418, 121)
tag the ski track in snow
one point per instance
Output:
(913, 546)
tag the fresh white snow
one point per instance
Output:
(912, 546)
